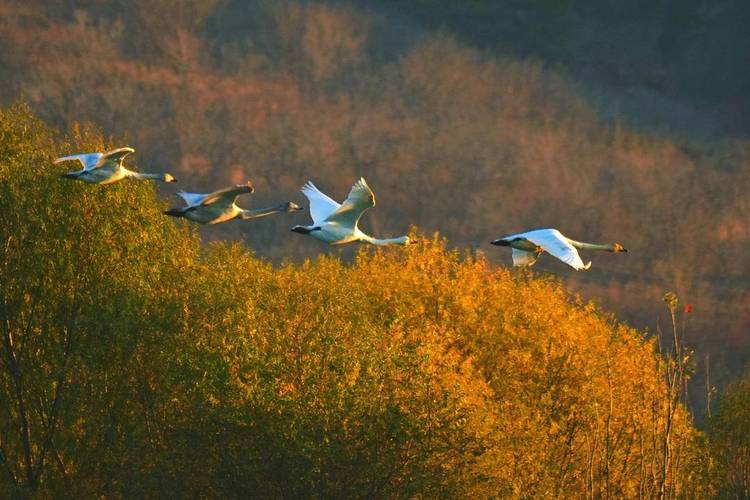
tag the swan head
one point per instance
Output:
(304, 229)
(618, 248)
(174, 212)
(403, 240)
(168, 178)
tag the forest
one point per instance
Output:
(136, 351)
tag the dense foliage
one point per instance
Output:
(471, 144)
(136, 361)
(729, 438)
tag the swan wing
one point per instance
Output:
(87, 160)
(227, 196)
(360, 199)
(321, 206)
(113, 158)
(557, 245)
(192, 199)
(523, 258)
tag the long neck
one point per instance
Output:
(591, 246)
(139, 175)
(401, 240)
(262, 212)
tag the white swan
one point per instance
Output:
(335, 223)
(106, 168)
(527, 247)
(220, 206)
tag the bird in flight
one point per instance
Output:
(527, 247)
(220, 206)
(336, 223)
(106, 168)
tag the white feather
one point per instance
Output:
(549, 240)
(321, 206)
(87, 160)
(360, 199)
(335, 223)
(557, 245)
(192, 199)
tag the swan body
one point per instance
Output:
(106, 168)
(527, 247)
(220, 206)
(336, 224)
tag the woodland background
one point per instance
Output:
(613, 122)
(475, 119)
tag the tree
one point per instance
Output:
(728, 433)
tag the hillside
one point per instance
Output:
(471, 143)
(138, 361)
(659, 64)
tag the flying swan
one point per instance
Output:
(106, 168)
(527, 247)
(219, 206)
(335, 223)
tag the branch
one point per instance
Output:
(59, 387)
(4, 460)
(15, 373)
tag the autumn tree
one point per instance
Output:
(133, 356)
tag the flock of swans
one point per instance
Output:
(333, 223)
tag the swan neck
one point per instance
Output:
(401, 240)
(592, 246)
(261, 212)
(139, 175)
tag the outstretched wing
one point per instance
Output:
(360, 199)
(192, 199)
(523, 258)
(557, 245)
(227, 196)
(321, 206)
(113, 158)
(88, 160)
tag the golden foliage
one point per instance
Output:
(138, 362)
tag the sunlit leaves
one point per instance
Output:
(200, 370)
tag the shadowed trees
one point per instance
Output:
(728, 433)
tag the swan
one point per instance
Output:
(219, 206)
(335, 223)
(106, 168)
(527, 247)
